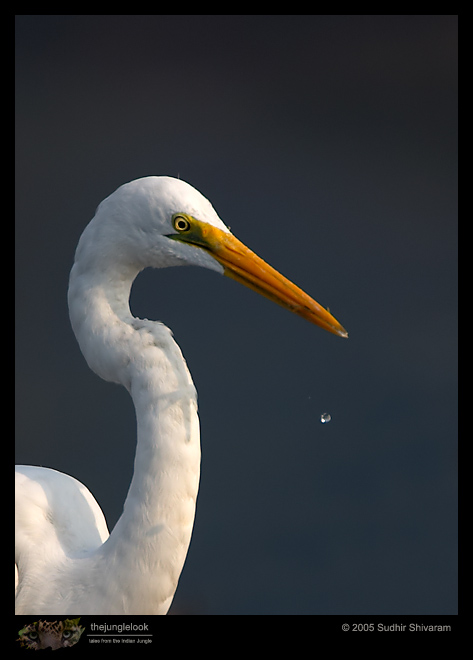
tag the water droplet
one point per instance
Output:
(325, 418)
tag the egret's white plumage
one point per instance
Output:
(66, 561)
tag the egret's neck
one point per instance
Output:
(101, 319)
(150, 541)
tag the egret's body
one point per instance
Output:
(67, 562)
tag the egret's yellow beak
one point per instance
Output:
(243, 265)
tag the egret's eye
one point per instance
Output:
(181, 223)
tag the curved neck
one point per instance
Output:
(139, 565)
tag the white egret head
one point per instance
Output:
(161, 221)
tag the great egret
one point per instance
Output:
(66, 563)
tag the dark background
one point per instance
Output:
(329, 145)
